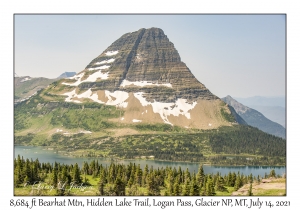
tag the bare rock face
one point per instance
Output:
(147, 55)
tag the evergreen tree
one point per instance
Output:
(186, 188)
(119, 187)
(138, 175)
(76, 179)
(54, 177)
(200, 176)
(27, 172)
(219, 186)
(152, 186)
(176, 188)
(238, 183)
(101, 186)
(194, 188)
(250, 190)
(233, 180)
(251, 178)
(272, 173)
(145, 173)
(210, 190)
(18, 176)
(133, 190)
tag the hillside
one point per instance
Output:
(266, 187)
(274, 108)
(25, 87)
(90, 130)
(274, 113)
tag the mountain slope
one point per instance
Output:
(255, 118)
(275, 113)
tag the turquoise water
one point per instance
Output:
(52, 156)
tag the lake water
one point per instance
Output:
(51, 156)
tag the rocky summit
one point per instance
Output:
(142, 73)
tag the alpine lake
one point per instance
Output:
(45, 155)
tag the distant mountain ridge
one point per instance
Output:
(274, 113)
(255, 118)
(271, 107)
(66, 75)
(262, 101)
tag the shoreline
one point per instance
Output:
(116, 159)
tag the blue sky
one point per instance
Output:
(237, 55)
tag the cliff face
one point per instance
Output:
(148, 56)
(143, 74)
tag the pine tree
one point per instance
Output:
(233, 180)
(219, 186)
(119, 186)
(186, 188)
(133, 190)
(76, 179)
(210, 190)
(200, 176)
(18, 178)
(101, 186)
(176, 191)
(250, 190)
(237, 184)
(272, 173)
(54, 177)
(251, 178)
(138, 175)
(27, 172)
(152, 186)
(145, 173)
(194, 188)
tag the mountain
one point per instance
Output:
(27, 86)
(255, 118)
(138, 99)
(66, 74)
(142, 73)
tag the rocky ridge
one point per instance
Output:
(255, 118)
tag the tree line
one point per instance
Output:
(129, 180)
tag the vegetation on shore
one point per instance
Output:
(34, 178)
